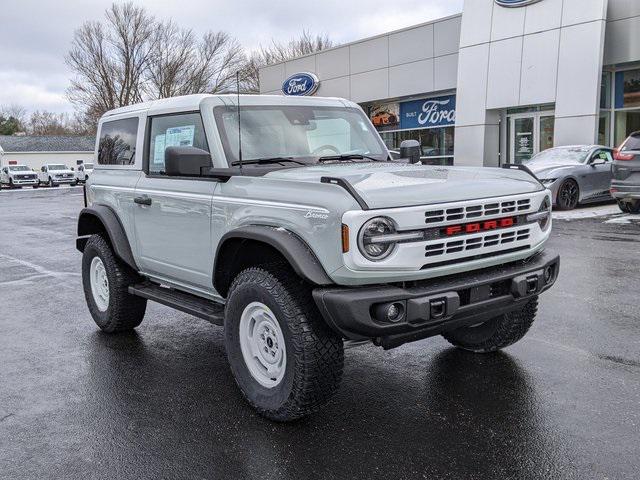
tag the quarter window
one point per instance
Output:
(184, 130)
(118, 142)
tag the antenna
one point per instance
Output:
(239, 124)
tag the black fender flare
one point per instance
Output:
(294, 250)
(98, 219)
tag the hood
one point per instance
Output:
(60, 172)
(544, 169)
(389, 185)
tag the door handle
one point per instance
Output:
(142, 200)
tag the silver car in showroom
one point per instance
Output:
(575, 174)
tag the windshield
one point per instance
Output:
(88, 166)
(563, 155)
(19, 168)
(58, 167)
(304, 133)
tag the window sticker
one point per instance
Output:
(174, 137)
(158, 151)
(180, 136)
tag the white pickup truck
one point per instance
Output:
(17, 176)
(54, 174)
(83, 171)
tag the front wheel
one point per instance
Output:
(106, 280)
(497, 333)
(285, 359)
(51, 184)
(568, 195)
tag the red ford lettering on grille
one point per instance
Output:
(479, 226)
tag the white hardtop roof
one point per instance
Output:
(194, 102)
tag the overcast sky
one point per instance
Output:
(35, 34)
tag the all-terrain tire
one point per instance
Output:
(497, 333)
(314, 352)
(125, 311)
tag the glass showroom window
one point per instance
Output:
(436, 143)
(627, 104)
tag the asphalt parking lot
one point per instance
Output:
(161, 402)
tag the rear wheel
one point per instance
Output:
(633, 207)
(497, 333)
(106, 280)
(568, 195)
(623, 206)
(285, 359)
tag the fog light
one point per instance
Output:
(548, 274)
(390, 312)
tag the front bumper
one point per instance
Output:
(439, 305)
(624, 190)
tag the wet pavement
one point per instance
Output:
(161, 402)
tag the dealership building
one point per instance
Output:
(494, 84)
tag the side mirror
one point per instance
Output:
(411, 150)
(185, 161)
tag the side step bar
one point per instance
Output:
(185, 302)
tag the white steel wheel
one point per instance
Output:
(99, 284)
(262, 344)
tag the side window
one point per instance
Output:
(603, 155)
(173, 131)
(118, 142)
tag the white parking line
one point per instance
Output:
(39, 269)
(26, 189)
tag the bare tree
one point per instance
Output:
(49, 123)
(131, 57)
(305, 44)
(180, 64)
(109, 60)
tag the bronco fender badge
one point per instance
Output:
(318, 215)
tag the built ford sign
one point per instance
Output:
(301, 84)
(515, 3)
(431, 112)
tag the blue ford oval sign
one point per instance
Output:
(301, 84)
(515, 3)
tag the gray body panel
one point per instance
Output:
(593, 180)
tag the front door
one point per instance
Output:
(530, 133)
(598, 175)
(172, 214)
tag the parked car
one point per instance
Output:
(575, 174)
(17, 176)
(54, 174)
(625, 185)
(82, 172)
(295, 251)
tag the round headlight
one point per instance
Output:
(371, 239)
(545, 207)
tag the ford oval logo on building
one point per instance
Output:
(301, 84)
(515, 3)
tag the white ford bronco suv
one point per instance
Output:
(306, 238)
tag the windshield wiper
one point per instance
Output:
(348, 156)
(265, 161)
